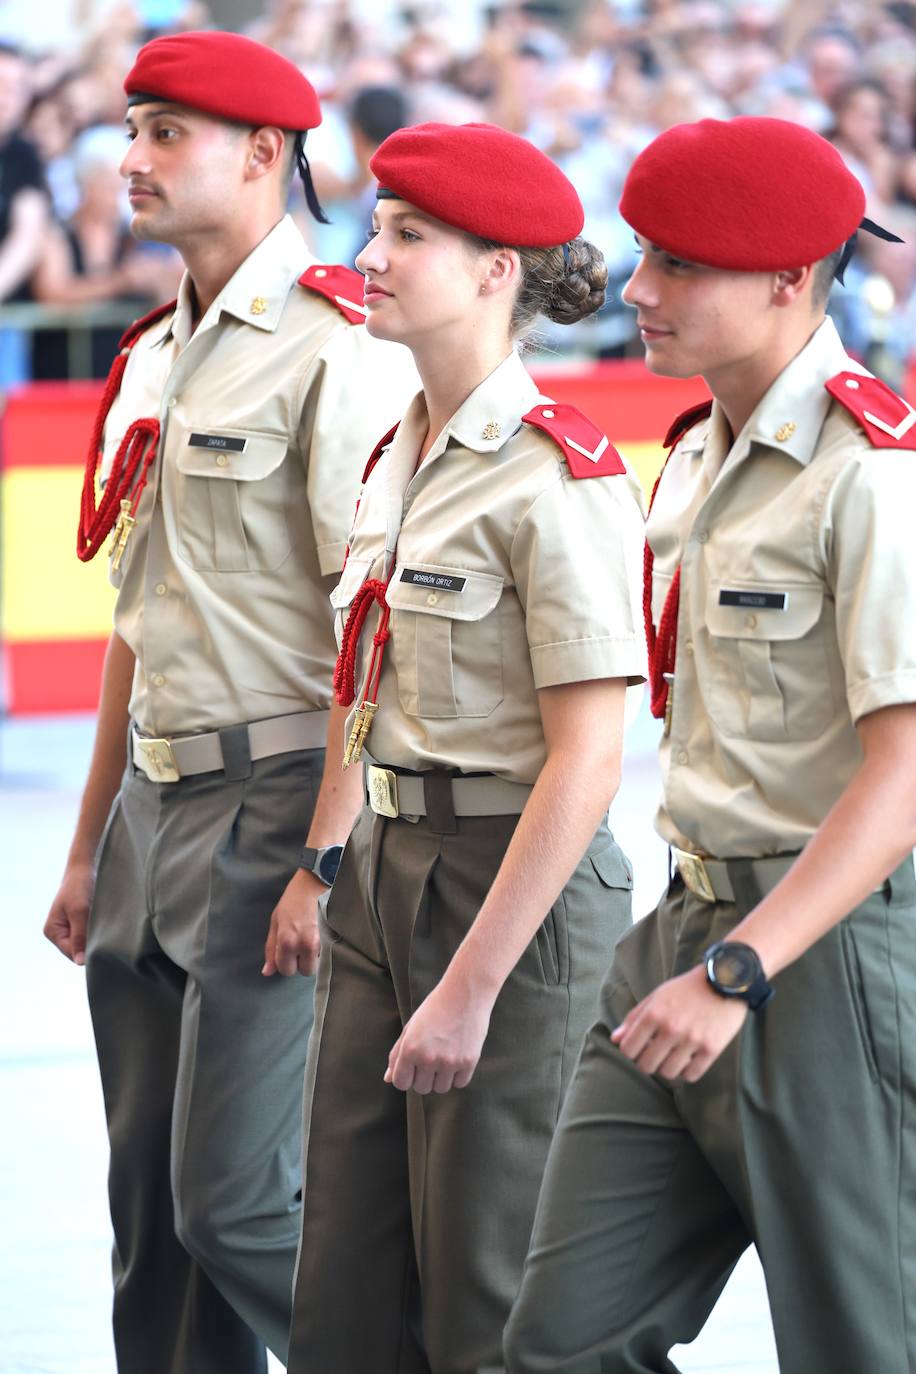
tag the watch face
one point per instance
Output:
(329, 864)
(733, 967)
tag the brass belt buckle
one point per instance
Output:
(693, 870)
(159, 758)
(382, 786)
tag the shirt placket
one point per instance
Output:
(161, 583)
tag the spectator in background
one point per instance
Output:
(860, 135)
(374, 113)
(590, 82)
(23, 207)
(50, 127)
(92, 257)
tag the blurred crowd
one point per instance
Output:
(588, 81)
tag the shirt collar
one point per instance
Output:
(256, 292)
(493, 411)
(792, 413)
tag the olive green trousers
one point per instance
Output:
(201, 1061)
(417, 1209)
(801, 1140)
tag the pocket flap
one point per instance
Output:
(351, 579)
(762, 621)
(612, 868)
(433, 589)
(236, 454)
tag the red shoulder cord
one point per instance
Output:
(661, 646)
(137, 451)
(372, 590)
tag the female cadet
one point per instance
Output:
(497, 551)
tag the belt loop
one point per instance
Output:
(440, 803)
(902, 882)
(745, 884)
(233, 741)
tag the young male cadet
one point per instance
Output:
(782, 574)
(233, 434)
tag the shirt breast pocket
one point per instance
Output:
(232, 500)
(447, 640)
(771, 672)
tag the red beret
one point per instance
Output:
(226, 75)
(749, 194)
(481, 179)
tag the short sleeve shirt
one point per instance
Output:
(268, 412)
(797, 610)
(506, 575)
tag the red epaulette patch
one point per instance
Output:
(587, 451)
(378, 451)
(886, 418)
(341, 286)
(685, 421)
(133, 331)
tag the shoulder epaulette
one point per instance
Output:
(685, 421)
(133, 331)
(377, 452)
(587, 451)
(340, 285)
(886, 418)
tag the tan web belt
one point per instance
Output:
(181, 756)
(404, 794)
(709, 879)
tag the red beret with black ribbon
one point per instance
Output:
(226, 75)
(481, 179)
(748, 194)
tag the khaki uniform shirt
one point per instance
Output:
(509, 575)
(269, 411)
(797, 610)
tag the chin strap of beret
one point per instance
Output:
(662, 644)
(849, 247)
(136, 452)
(308, 186)
(340, 285)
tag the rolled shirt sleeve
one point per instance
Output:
(871, 563)
(577, 559)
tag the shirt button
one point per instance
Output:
(703, 536)
(683, 756)
(173, 401)
(161, 589)
(689, 646)
(432, 599)
(158, 680)
(221, 460)
(751, 622)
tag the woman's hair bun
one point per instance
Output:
(580, 289)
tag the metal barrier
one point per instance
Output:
(30, 317)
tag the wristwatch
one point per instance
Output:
(734, 970)
(324, 863)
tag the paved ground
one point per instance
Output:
(54, 1274)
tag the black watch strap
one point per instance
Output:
(734, 969)
(324, 862)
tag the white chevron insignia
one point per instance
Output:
(898, 431)
(586, 453)
(351, 305)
